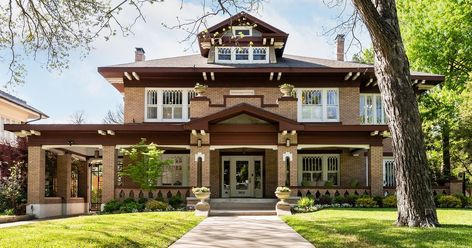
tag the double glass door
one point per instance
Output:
(242, 176)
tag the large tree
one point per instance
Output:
(414, 194)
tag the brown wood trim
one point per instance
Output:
(141, 127)
(388, 154)
(261, 153)
(261, 97)
(307, 151)
(333, 187)
(288, 99)
(336, 126)
(238, 128)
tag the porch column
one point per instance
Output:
(64, 171)
(376, 170)
(290, 152)
(36, 177)
(199, 154)
(109, 163)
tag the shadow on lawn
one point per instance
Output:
(361, 232)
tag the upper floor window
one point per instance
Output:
(168, 104)
(241, 55)
(242, 31)
(318, 104)
(371, 110)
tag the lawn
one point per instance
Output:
(374, 228)
(117, 230)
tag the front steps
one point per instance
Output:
(242, 206)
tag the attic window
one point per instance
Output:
(242, 55)
(242, 30)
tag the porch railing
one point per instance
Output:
(160, 192)
(317, 192)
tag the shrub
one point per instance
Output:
(305, 202)
(176, 201)
(469, 202)
(154, 205)
(130, 207)
(449, 201)
(340, 199)
(326, 200)
(351, 199)
(463, 199)
(142, 200)
(378, 200)
(10, 211)
(112, 206)
(129, 200)
(366, 202)
(389, 201)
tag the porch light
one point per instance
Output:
(287, 142)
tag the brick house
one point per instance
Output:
(241, 137)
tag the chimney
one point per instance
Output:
(139, 54)
(340, 47)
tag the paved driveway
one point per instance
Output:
(242, 231)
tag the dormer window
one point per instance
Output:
(242, 30)
(242, 55)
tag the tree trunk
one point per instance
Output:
(445, 135)
(414, 193)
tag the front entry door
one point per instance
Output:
(242, 176)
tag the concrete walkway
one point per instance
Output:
(242, 231)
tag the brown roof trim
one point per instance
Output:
(347, 128)
(203, 123)
(168, 127)
(249, 16)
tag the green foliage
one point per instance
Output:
(154, 205)
(145, 165)
(305, 202)
(437, 39)
(111, 206)
(354, 183)
(176, 201)
(449, 201)
(378, 200)
(326, 200)
(366, 202)
(389, 201)
(340, 199)
(13, 188)
(200, 190)
(366, 56)
(10, 211)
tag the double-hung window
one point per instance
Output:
(317, 169)
(168, 104)
(371, 109)
(388, 172)
(318, 105)
(242, 55)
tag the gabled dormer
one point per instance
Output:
(242, 39)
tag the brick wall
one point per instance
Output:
(64, 175)
(215, 178)
(376, 170)
(352, 168)
(349, 105)
(36, 173)
(109, 167)
(134, 104)
(270, 171)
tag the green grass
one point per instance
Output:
(117, 230)
(375, 228)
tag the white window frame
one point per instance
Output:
(386, 177)
(185, 169)
(235, 28)
(324, 165)
(160, 105)
(374, 110)
(324, 105)
(250, 59)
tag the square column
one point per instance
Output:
(284, 153)
(376, 170)
(109, 158)
(36, 175)
(64, 171)
(198, 153)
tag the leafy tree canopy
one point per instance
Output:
(145, 164)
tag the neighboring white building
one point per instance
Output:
(14, 111)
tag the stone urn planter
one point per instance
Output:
(283, 193)
(283, 207)
(200, 89)
(202, 208)
(286, 90)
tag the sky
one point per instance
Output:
(81, 88)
